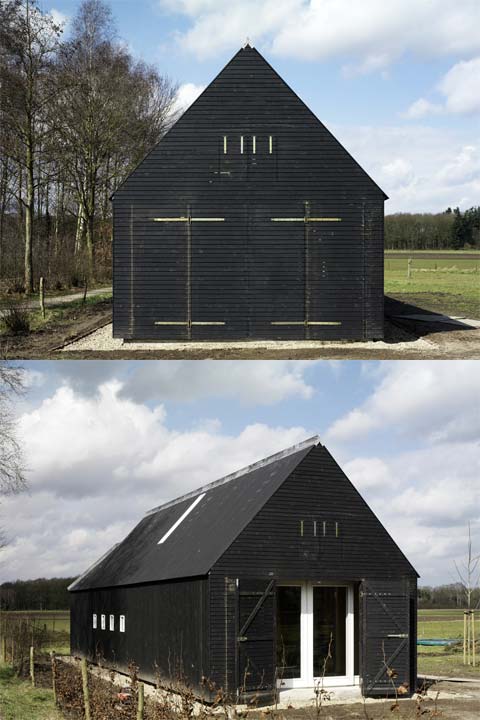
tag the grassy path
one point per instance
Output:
(19, 701)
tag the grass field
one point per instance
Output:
(447, 285)
(20, 701)
(57, 622)
(447, 624)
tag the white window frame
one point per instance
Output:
(103, 621)
(111, 622)
(307, 678)
(94, 621)
(122, 623)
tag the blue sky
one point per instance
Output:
(105, 441)
(398, 83)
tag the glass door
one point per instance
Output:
(315, 635)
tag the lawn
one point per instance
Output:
(57, 622)
(447, 285)
(445, 660)
(20, 701)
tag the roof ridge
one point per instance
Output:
(314, 440)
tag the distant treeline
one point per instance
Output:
(446, 596)
(40, 594)
(450, 230)
(52, 594)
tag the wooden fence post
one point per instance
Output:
(409, 268)
(473, 638)
(4, 648)
(86, 698)
(54, 677)
(140, 701)
(32, 665)
(42, 296)
(84, 299)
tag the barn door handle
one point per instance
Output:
(242, 638)
(399, 635)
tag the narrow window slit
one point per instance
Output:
(336, 529)
(314, 528)
(254, 144)
(241, 144)
(324, 528)
(301, 528)
(270, 144)
(224, 144)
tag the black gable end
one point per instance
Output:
(248, 220)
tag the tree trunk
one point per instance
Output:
(29, 212)
(80, 233)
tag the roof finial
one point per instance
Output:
(247, 42)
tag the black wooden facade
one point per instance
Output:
(248, 220)
(193, 591)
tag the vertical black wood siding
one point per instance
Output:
(388, 629)
(166, 628)
(248, 273)
(272, 547)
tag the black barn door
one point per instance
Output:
(219, 275)
(256, 647)
(384, 643)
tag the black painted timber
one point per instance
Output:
(248, 272)
(252, 530)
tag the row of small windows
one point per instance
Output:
(242, 144)
(321, 528)
(111, 622)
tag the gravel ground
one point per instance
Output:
(102, 341)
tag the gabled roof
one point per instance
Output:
(246, 82)
(196, 528)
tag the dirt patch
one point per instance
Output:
(45, 342)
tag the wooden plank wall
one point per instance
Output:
(166, 628)
(247, 271)
(272, 546)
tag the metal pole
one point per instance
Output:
(464, 637)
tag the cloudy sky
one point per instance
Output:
(106, 441)
(397, 82)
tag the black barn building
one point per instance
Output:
(248, 220)
(248, 580)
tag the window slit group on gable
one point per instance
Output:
(327, 528)
(242, 144)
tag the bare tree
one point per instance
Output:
(469, 571)
(28, 40)
(12, 469)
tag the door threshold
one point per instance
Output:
(299, 697)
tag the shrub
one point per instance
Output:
(16, 319)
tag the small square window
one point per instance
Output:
(112, 622)
(94, 621)
(122, 623)
(102, 622)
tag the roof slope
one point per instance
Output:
(247, 96)
(217, 514)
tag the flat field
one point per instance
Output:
(447, 660)
(442, 282)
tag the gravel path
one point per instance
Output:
(102, 341)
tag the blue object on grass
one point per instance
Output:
(435, 641)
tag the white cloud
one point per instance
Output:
(418, 398)
(421, 107)
(460, 87)
(412, 164)
(425, 498)
(250, 382)
(318, 29)
(99, 461)
(186, 95)
(59, 18)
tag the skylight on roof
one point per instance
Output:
(181, 518)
